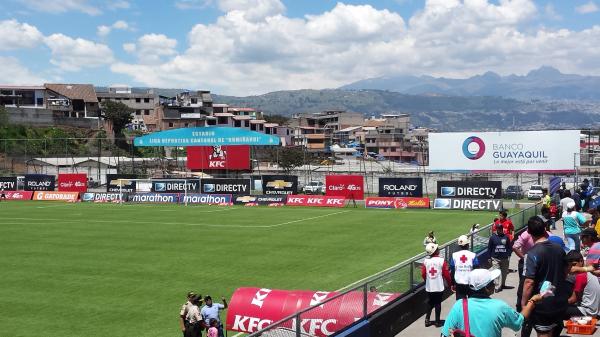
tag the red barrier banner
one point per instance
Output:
(348, 186)
(390, 202)
(253, 309)
(18, 195)
(72, 182)
(56, 196)
(315, 201)
(233, 157)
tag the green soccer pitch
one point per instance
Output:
(88, 269)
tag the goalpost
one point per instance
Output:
(181, 186)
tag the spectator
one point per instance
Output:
(434, 271)
(545, 217)
(545, 261)
(491, 314)
(562, 190)
(577, 198)
(430, 238)
(211, 310)
(499, 251)
(565, 200)
(589, 239)
(196, 324)
(585, 299)
(474, 229)
(507, 225)
(572, 221)
(596, 219)
(553, 215)
(587, 191)
(461, 264)
(213, 330)
(185, 308)
(547, 199)
(2, 194)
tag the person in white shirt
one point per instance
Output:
(196, 323)
(185, 308)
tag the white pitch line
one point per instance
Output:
(51, 206)
(275, 225)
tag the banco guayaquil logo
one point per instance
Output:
(473, 148)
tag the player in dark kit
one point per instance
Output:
(2, 194)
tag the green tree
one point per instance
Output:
(4, 122)
(288, 158)
(120, 115)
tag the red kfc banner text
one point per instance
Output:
(253, 309)
(233, 157)
(315, 201)
(56, 196)
(18, 195)
(390, 202)
(72, 182)
(349, 186)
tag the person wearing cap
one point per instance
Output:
(585, 299)
(499, 251)
(507, 225)
(430, 238)
(196, 324)
(211, 311)
(487, 316)
(434, 271)
(461, 264)
(185, 308)
(572, 223)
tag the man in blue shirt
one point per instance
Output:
(211, 310)
(499, 249)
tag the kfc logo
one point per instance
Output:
(260, 296)
(319, 297)
(382, 299)
(316, 326)
(218, 153)
(249, 324)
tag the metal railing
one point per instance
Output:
(365, 297)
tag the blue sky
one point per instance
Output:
(247, 47)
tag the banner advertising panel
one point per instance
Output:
(207, 199)
(39, 182)
(218, 157)
(279, 184)
(388, 202)
(206, 136)
(401, 187)
(176, 186)
(226, 186)
(469, 204)
(102, 197)
(348, 186)
(469, 189)
(18, 195)
(55, 196)
(120, 183)
(8, 183)
(154, 198)
(315, 201)
(259, 199)
(72, 182)
(520, 151)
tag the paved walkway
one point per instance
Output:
(509, 296)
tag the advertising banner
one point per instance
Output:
(8, 183)
(72, 182)
(469, 204)
(18, 195)
(206, 136)
(207, 199)
(259, 199)
(279, 184)
(388, 202)
(120, 183)
(469, 189)
(101, 197)
(39, 182)
(55, 196)
(315, 201)
(226, 186)
(521, 151)
(176, 186)
(348, 186)
(154, 198)
(218, 157)
(401, 187)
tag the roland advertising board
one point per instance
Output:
(519, 151)
(401, 187)
(39, 182)
(472, 189)
(226, 186)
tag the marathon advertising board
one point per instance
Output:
(102, 197)
(8, 183)
(315, 201)
(259, 199)
(396, 203)
(469, 189)
(154, 198)
(469, 204)
(401, 187)
(279, 184)
(72, 182)
(55, 196)
(348, 186)
(176, 186)
(39, 182)
(207, 199)
(18, 195)
(120, 183)
(233, 158)
(226, 186)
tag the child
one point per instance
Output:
(553, 215)
(213, 331)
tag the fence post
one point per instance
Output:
(298, 325)
(523, 218)
(365, 300)
(412, 276)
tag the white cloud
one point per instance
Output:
(118, 4)
(252, 10)
(103, 30)
(151, 48)
(129, 47)
(62, 6)
(587, 8)
(192, 4)
(15, 73)
(551, 13)
(70, 54)
(16, 35)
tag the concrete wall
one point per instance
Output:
(45, 117)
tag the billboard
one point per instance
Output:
(259, 199)
(279, 184)
(315, 200)
(101, 197)
(72, 182)
(400, 203)
(154, 198)
(401, 187)
(226, 186)
(218, 157)
(8, 183)
(473, 189)
(120, 183)
(522, 151)
(206, 136)
(207, 199)
(39, 182)
(55, 196)
(18, 195)
(348, 186)
(469, 204)
(176, 186)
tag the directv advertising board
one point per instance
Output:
(226, 186)
(8, 183)
(469, 204)
(120, 183)
(234, 158)
(176, 186)
(101, 197)
(39, 182)
(522, 151)
(469, 189)
(279, 184)
(401, 187)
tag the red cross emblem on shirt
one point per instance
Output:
(463, 259)
(432, 272)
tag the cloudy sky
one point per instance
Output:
(245, 47)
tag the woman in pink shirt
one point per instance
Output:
(213, 331)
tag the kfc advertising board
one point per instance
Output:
(315, 201)
(55, 196)
(18, 195)
(396, 203)
(279, 184)
(401, 187)
(235, 157)
(176, 186)
(348, 186)
(253, 309)
(120, 183)
(226, 186)
(469, 189)
(72, 182)
(8, 183)
(39, 182)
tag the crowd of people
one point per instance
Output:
(201, 314)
